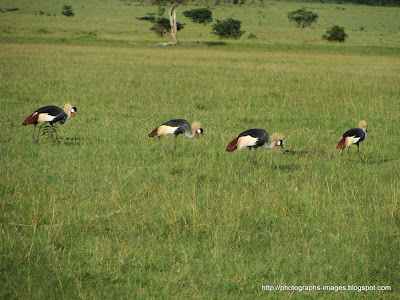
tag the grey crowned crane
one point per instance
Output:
(353, 136)
(254, 138)
(177, 126)
(49, 114)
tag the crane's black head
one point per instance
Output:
(199, 131)
(73, 110)
(279, 143)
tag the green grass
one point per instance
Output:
(105, 214)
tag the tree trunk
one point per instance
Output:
(172, 21)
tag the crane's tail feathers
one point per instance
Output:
(276, 137)
(154, 132)
(31, 119)
(196, 125)
(342, 143)
(362, 124)
(232, 145)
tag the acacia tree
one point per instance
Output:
(302, 17)
(171, 5)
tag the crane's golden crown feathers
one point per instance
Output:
(196, 125)
(67, 107)
(362, 124)
(276, 137)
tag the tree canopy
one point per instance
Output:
(199, 15)
(302, 17)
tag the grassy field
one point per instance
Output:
(105, 214)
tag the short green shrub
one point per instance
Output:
(228, 28)
(335, 34)
(67, 11)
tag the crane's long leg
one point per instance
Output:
(40, 127)
(248, 156)
(254, 157)
(51, 130)
(159, 139)
(358, 148)
(176, 138)
(34, 130)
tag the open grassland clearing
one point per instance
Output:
(115, 21)
(104, 213)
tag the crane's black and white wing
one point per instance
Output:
(252, 138)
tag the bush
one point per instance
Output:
(199, 15)
(67, 11)
(228, 28)
(150, 17)
(302, 17)
(335, 34)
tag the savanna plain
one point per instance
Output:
(105, 213)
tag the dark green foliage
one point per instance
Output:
(302, 17)
(252, 36)
(67, 11)
(8, 9)
(168, 2)
(161, 25)
(376, 2)
(199, 15)
(335, 34)
(228, 28)
(150, 17)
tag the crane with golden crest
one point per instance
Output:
(254, 138)
(353, 136)
(177, 127)
(49, 114)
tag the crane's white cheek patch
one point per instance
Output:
(164, 129)
(45, 118)
(245, 141)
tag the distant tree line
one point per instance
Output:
(365, 2)
(375, 2)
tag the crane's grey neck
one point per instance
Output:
(270, 146)
(189, 135)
